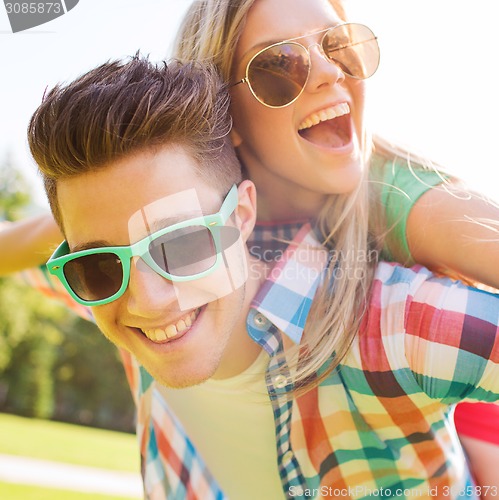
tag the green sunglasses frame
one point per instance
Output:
(62, 255)
(292, 41)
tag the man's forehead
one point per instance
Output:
(159, 214)
(126, 200)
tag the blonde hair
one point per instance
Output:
(210, 31)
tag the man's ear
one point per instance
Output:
(246, 208)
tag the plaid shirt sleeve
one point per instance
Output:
(382, 420)
(40, 279)
(451, 339)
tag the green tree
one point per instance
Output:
(14, 190)
(53, 364)
(30, 336)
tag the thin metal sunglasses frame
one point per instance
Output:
(292, 41)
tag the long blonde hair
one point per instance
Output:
(210, 31)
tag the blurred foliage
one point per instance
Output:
(14, 190)
(52, 364)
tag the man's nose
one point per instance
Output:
(148, 294)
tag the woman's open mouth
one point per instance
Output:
(329, 128)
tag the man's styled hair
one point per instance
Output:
(127, 107)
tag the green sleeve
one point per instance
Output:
(401, 185)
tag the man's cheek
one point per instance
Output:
(102, 322)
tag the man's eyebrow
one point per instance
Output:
(89, 245)
(163, 223)
(154, 226)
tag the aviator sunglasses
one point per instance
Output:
(277, 74)
(184, 251)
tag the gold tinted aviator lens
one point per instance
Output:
(277, 75)
(354, 48)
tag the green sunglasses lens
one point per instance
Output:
(184, 252)
(94, 277)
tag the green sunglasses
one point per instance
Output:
(185, 251)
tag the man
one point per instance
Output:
(143, 173)
(140, 175)
(149, 147)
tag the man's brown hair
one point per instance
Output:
(125, 107)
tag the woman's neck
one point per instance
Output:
(282, 200)
(274, 208)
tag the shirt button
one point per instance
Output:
(280, 381)
(287, 457)
(260, 320)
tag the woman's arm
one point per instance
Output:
(27, 243)
(483, 461)
(457, 232)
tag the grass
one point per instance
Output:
(68, 443)
(22, 492)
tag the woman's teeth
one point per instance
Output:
(324, 115)
(171, 331)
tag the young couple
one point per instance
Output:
(328, 371)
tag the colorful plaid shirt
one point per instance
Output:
(379, 425)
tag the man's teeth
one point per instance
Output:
(324, 115)
(162, 334)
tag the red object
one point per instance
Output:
(478, 420)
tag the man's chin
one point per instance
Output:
(181, 382)
(182, 377)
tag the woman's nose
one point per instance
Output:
(323, 71)
(148, 294)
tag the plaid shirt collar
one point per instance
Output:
(286, 296)
(282, 305)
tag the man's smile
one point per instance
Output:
(173, 330)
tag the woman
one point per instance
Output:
(295, 165)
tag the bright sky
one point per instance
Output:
(436, 89)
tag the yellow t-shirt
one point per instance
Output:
(231, 424)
